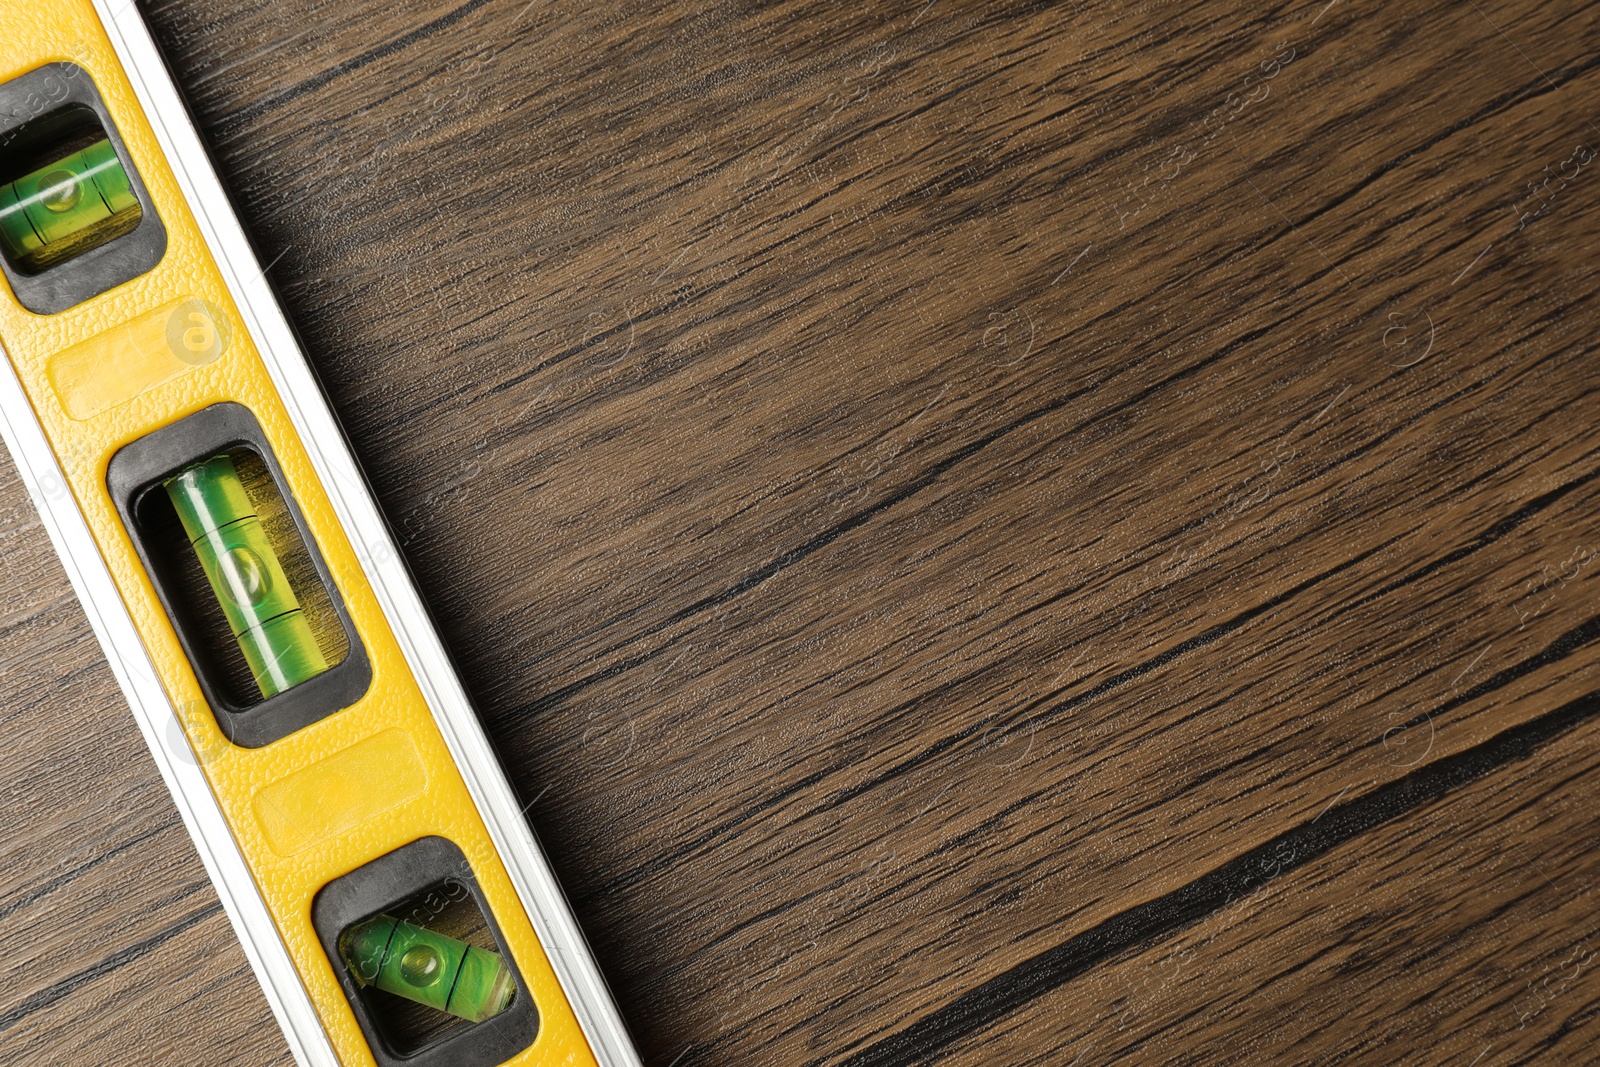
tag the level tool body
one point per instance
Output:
(228, 553)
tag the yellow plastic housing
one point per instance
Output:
(363, 781)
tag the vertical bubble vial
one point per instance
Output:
(245, 575)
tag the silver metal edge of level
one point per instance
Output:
(352, 500)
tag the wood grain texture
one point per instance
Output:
(933, 500)
(1465, 931)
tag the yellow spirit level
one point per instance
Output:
(248, 595)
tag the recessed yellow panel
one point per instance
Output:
(341, 792)
(134, 357)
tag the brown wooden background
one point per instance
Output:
(985, 533)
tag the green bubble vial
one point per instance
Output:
(245, 575)
(67, 207)
(428, 968)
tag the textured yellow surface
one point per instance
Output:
(393, 812)
(133, 357)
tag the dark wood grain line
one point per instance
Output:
(1497, 531)
(773, 567)
(911, 488)
(1483, 540)
(43, 890)
(44, 998)
(1564, 645)
(1533, 89)
(1557, 650)
(1510, 745)
(231, 122)
(1425, 930)
(999, 996)
(1139, 670)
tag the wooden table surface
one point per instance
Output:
(984, 533)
